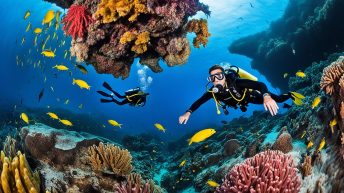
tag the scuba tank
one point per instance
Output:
(132, 91)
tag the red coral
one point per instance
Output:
(76, 21)
(269, 171)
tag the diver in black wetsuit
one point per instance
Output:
(230, 90)
(133, 97)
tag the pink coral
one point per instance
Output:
(76, 21)
(269, 171)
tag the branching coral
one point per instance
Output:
(200, 27)
(112, 10)
(306, 167)
(16, 175)
(76, 21)
(331, 76)
(135, 184)
(109, 157)
(269, 171)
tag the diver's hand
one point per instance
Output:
(270, 104)
(184, 118)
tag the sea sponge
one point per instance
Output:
(306, 167)
(141, 43)
(283, 143)
(331, 75)
(200, 27)
(16, 175)
(128, 37)
(109, 157)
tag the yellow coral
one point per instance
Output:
(200, 28)
(16, 175)
(127, 37)
(110, 157)
(112, 10)
(141, 43)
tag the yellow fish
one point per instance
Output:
(52, 115)
(82, 84)
(81, 68)
(61, 67)
(297, 98)
(300, 74)
(303, 134)
(24, 117)
(37, 30)
(182, 163)
(28, 27)
(57, 17)
(310, 144)
(322, 144)
(57, 25)
(115, 123)
(66, 102)
(54, 35)
(285, 75)
(212, 183)
(27, 14)
(66, 122)
(201, 135)
(48, 17)
(160, 127)
(35, 41)
(48, 53)
(333, 122)
(316, 102)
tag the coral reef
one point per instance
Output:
(306, 167)
(288, 45)
(16, 175)
(283, 142)
(331, 76)
(120, 31)
(262, 174)
(136, 184)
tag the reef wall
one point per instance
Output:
(308, 31)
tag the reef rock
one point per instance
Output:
(230, 147)
(303, 35)
(283, 142)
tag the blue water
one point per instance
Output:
(171, 92)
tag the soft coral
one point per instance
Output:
(76, 21)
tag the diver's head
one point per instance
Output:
(217, 75)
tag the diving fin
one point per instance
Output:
(106, 100)
(107, 86)
(104, 94)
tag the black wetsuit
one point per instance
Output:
(240, 90)
(132, 100)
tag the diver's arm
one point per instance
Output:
(184, 118)
(250, 84)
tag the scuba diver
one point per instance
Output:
(230, 90)
(133, 97)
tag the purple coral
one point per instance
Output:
(269, 171)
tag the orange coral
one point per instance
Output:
(331, 75)
(112, 10)
(200, 28)
(128, 37)
(342, 110)
(141, 43)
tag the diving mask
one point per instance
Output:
(219, 76)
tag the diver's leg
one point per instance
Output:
(280, 98)
(125, 101)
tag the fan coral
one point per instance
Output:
(112, 10)
(306, 167)
(331, 76)
(269, 171)
(109, 157)
(135, 184)
(200, 27)
(16, 175)
(76, 21)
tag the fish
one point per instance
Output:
(114, 123)
(24, 117)
(52, 115)
(57, 16)
(286, 106)
(303, 134)
(322, 144)
(65, 55)
(300, 74)
(316, 102)
(285, 75)
(61, 67)
(160, 127)
(310, 144)
(48, 17)
(182, 163)
(40, 95)
(28, 27)
(297, 98)
(82, 84)
(66, 102)
(45, 79)
(57, 25)
(333, 123)
(202, 135)
(27, 14)
(81, 68)
(23, 41)
(35, 41)
(48, 53)
(293, 50)
(45, 43)
(212, 183)
(37, 30)
(80, 106)
(66, 122)
(54, 35)
(52, 88)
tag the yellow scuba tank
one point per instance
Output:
(243, 74)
